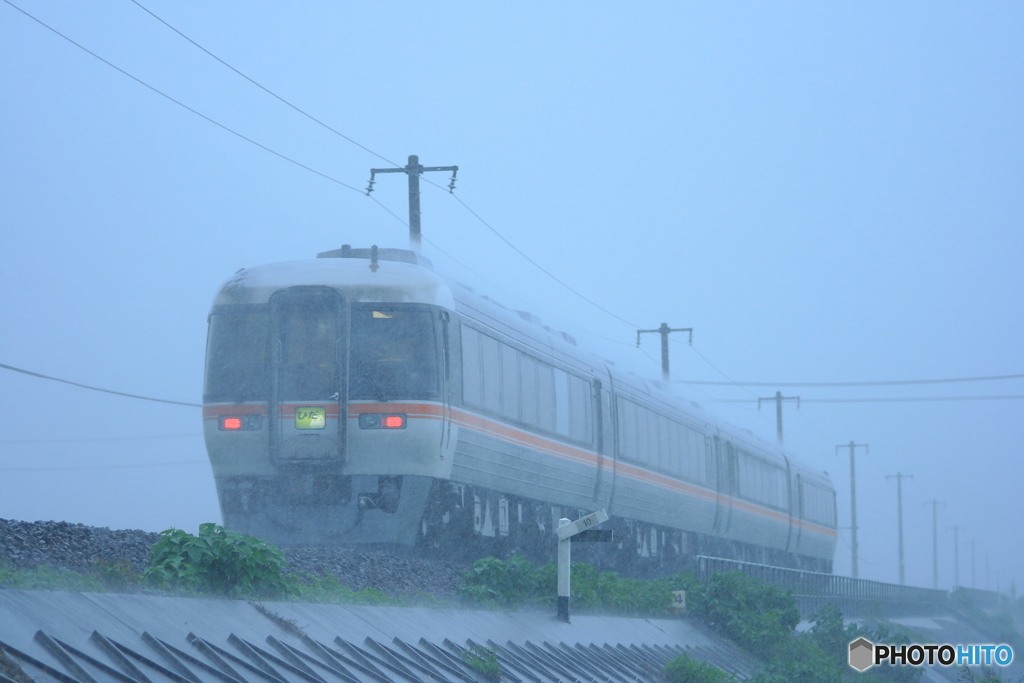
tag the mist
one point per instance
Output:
(823, 193)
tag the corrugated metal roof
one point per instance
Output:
(103, 638)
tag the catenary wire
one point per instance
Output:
(484, 222)
(361, 146)
(104, 467)
(102, 439)
(105, 391)
(182, 104)
(903, 399)
(263, 88)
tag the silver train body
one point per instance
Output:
(351, 400)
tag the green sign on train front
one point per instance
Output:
(307, 417)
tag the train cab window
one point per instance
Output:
(308, 332)
(237, 355)
(393, 353)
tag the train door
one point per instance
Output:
(725, 485)
(604, 442)
(308, 375)
(799, 506)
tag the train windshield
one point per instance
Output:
(393, 353)
(237, 356)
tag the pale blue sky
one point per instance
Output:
(824, 192)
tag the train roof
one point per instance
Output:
(392, 280)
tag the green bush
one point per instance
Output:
(516, 582)
(755, 615)
(685, 669)
(218, 561)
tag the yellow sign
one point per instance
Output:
(308, 417)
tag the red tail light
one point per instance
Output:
(394, 422)
(232, 423)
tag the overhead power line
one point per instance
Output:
(104, 467)
(105, 391)
(904, 399)
(103, 439)
(263, 88)
(367, 149)
(182, 104)
(882, 383)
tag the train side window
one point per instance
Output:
(472, 377)
(580, 399)
(561, 402)
(528, 381)
(490, 356)
(643, 433)
(665, 430)
(696, 461)
(509, 382)
(546, 388)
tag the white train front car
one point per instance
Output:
(359, 398)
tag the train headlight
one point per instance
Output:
(382, 421)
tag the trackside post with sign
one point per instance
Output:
(566, 530)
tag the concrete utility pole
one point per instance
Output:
(779, 398)
(935, 541)
(853, 500)
(956, 554)
(899, 477)
(413, 169)
(664, 331)
(973, 584)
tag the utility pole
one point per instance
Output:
(935, 541)
(973, 584)
(899, 477)
(779, 398)
(853, 500)
(956, 554)
(986, 571)
(664, 331)
(413, 169)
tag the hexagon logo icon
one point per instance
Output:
(862, 654)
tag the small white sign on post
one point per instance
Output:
(582, 524)
(566, 530)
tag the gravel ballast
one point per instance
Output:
(84, 549)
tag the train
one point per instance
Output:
(360, 398)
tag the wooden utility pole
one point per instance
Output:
(899, 477)
(664, 332)
(853, 500)
(779, 398)
(413, 169)
(935, 541)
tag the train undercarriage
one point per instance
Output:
(432, 517)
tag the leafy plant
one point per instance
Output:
(755, 615)
(685, 669)
(483, 660)
(218, 560)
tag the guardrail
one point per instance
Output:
(854, 597)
